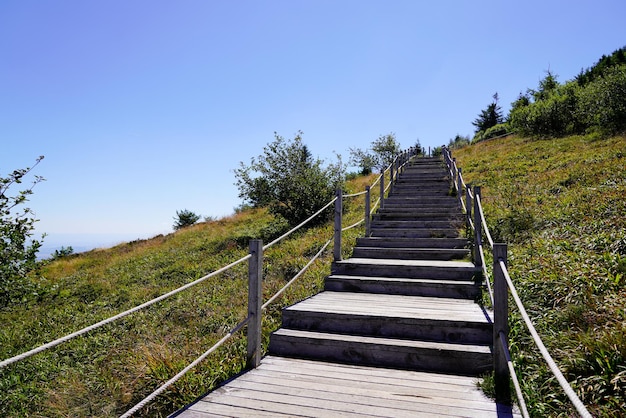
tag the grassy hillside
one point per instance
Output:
(561, 206)
(109, 370)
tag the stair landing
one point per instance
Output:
(303, 388)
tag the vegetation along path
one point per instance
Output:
(396, 331)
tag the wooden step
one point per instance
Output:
(462, 359)
(415, 232)
(412, 242)
(459, 289)
(420, 269)
(392, 316)
(422, 223)
(422, 200)
(411, 253)
(416, 216)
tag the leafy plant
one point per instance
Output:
(185, 218)
(491, 116)
(288, 180)
(381, 153)
(18, 252)
(62, 252)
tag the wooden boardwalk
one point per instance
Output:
(304, 388)
(396, 332)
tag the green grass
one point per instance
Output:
(107, 371)
(560, 204)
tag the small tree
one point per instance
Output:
(385, 148)
(459, 141)
(185, 218)
(489, 117)
(383, 151)
(288, 180)
(18, 252)
(362, 159)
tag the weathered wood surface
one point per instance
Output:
(303, 388)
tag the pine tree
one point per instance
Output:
(489, 117)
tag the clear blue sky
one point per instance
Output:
(143, 108)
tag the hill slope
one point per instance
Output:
(107, 371)
(561, 206)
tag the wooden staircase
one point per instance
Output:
(406, 297)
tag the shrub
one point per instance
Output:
(185, 218)
(289, 181)
(18, 252)
(602, 103)
(497, 130)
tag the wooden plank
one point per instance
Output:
(365, 402)
(371, 389)
(395, 376)
(390, 343)
(388, 376)
(398, 299)
(288, 387)
(387, 305)
(414, 263)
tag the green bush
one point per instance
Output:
(602, 103)
(185, 218)
(551, 116)
(18, 251)
(493, 132)
(289, 181)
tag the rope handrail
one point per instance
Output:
(118, 316)
(184, 371)
(99, 324)
(295, 228)
(280, 292)
(179, 375)
(377, 180)
(484, 221)
(580, 408)
(355, 194)
(578, 405)
(485, 273)
(221, 342)
(354, 225)
(518, 390)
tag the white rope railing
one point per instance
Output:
(518, 390)
(295, 228)
(354, 194)
(485, 272)
(580, 408)
(184, 371)
(179, 375)
(118, 316)
(484, 222)
(290, 282)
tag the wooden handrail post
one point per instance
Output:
(478, 229)
(382, 189)
(500, 325)
(338, 210)
(455, 171)
(468, 204)
(459, 185)
(255, 302)
(367, 211)
(391, 171)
